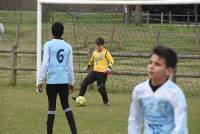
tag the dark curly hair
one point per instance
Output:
(167, 53)
(57, 29)
(99, 41)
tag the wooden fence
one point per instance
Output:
(14, 51)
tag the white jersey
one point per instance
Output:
(161, 112)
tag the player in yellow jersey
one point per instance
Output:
(102, 62)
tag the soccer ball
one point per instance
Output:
(80, 101)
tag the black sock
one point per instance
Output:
(71, 121)
(50, 121)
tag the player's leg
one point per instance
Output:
(101, 81)
(51, 92)
(63, 93)
(90, 78)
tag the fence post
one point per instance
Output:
(112, 35)
(157, 37)
(147, 21)
(13, 71)
(20, 16)
(86, 43)
(1, 31)
(170, 17)
(90, 50)
(52, 16)
(196, 23)
(127, 14)
(17, 37)
(188, 18)
(161, 17)
(138, 14)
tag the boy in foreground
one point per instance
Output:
(58, 66)
(158, 102)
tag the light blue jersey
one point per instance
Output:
(162, 111)
(57, 63)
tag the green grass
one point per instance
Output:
(24, 111)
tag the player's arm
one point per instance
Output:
(43, 69)
(135, 119)
(110, 59)
(71, 67)
(91, 62)
(180, 115)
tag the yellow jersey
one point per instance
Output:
(101, 60)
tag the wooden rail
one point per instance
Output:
(114, 54)
(13, 68)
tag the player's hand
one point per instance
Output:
(87, 68)
(39, 88)
(108, 71)
(71, 88)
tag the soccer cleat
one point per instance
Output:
(74, 98)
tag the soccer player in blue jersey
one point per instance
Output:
(158, 102)
(57, 66)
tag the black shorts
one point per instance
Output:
(52, 90)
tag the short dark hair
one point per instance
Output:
(167, 53)
(99, 41)
(57, 29)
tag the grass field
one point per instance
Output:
(23, 111)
